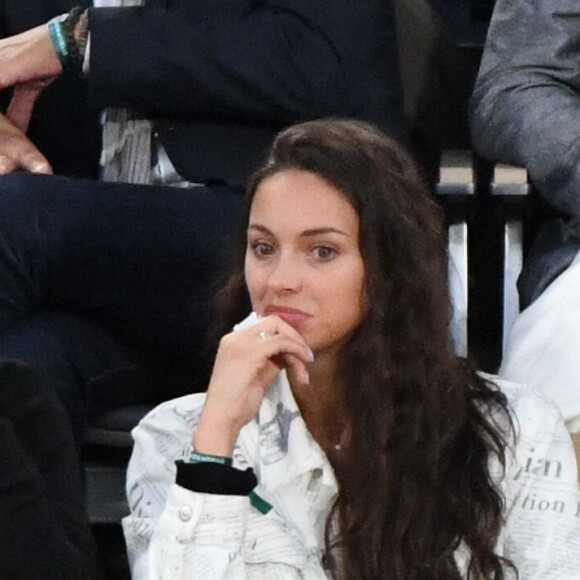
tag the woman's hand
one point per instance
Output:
(246, 364)
(17, 151)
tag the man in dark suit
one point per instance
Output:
(98, 278)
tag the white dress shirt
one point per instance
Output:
(544, 345)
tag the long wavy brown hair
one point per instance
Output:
(417, 485)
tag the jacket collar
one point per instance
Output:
(286, 449)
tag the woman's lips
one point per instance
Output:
(292, 316)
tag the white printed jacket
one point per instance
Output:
(175, 534)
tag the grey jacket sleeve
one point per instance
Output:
(526, 105)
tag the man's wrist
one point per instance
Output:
(76, 27)
(58, 39)
(69, 35)
(81, 34)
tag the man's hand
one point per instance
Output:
(29, 63)
(28, 57)
(23, 101)
(18, 152)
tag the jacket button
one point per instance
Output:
(185, 513)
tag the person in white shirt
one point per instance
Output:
(340, 437)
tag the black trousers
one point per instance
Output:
(107, 288)
(44, 533)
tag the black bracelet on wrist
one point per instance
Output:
(76, 45)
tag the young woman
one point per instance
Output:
(340, 437)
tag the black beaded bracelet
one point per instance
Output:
(76, 48)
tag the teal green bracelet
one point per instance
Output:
(196, 457)
(59, 41)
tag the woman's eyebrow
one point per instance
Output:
(306, 233)
(325, 230)
(260, 228)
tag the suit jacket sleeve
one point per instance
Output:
(526, 105)
(245, 60)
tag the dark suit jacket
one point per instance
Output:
(221, 77)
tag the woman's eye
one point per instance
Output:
(324, 252)
(262, 249)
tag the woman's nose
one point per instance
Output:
(285, 274)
